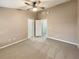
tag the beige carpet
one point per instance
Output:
(40, 48)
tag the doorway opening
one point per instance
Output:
(37, 28)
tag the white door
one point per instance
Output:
(38, 28)
(41, 28)
(30, 28)
(44, 28)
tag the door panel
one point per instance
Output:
(30, 28)
(38, 28)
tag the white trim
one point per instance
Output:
(48, 37)
(12, 43)
(76, 44)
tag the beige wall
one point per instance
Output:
(78, 20)
(13, 25)
(62, 21)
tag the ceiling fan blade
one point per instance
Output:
(27, 3)
(42, 7)
(19, 9)
(29, 9)
(39, 2)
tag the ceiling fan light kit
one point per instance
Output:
(35, 9)
(35, 5)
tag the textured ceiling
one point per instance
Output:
(19, 4)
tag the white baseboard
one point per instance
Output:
(48, 37)
(76, 44)
(12, 43)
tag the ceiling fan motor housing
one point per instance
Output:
(34, 4)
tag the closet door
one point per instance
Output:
(44, 27)
(30, 28)
(38, 28)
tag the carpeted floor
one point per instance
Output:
(40, 48)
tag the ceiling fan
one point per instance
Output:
(35, 4)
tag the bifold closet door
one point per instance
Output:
(38, 28)
(30, 28)
(44, 28)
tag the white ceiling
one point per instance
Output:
(19, 4)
